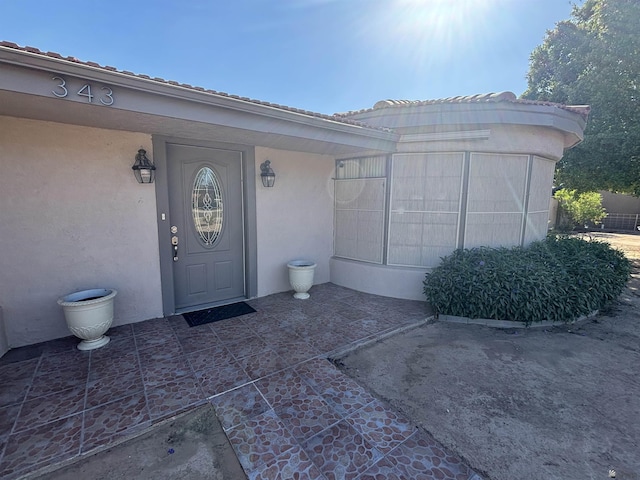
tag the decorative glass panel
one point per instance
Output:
(206, 205)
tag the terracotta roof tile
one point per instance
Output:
(509, 97)
(582, 110)
(335, 118)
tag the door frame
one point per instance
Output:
(248, 172)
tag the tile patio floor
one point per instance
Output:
(284, 407)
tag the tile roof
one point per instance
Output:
(509, 97)
(335, 118)
(582, 110)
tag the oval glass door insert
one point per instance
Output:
(206, 206)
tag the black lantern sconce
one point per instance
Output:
(267, 174)
(143, 168)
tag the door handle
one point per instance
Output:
(174, 243)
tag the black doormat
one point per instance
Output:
(216, 314)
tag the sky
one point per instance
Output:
(326, 56)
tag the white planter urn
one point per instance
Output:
(301, 277)
(89, 315)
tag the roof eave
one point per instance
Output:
(571, 123)
(194, 94)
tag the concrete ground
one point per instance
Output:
(560, 403)
(191, 446)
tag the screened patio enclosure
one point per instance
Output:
(481, 176)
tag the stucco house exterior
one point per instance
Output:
(375, 197)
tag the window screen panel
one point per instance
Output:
(364, 167)
(359, 219)
(425, 207)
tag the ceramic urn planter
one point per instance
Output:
(301, 277)
(89, 315)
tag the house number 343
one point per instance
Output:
(105, 96)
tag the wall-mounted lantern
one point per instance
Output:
(267, 174)
(144, 169)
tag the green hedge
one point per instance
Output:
(557, 279)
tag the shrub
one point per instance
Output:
(582, 208)
(558, 279)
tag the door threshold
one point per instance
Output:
(203, 306)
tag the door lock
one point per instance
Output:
(174, 242)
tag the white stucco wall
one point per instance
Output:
(73, 217)
(295, 217)
(385, 280)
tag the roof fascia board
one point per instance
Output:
(475, 114)
(65, 67)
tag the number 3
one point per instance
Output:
(62, 87)
(108, 95)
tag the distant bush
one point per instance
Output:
(580, 208)
(558, 279)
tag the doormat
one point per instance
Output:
(216, 314)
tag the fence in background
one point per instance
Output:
(621, 221)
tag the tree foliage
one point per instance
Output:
(594, 59)
(582, 208)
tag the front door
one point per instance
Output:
(206, 213)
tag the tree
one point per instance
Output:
(594, 59)
(582, 208)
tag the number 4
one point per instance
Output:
(86, 92)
